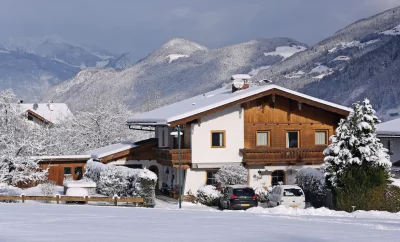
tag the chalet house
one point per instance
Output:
(389, 134)
(271, 130)
(45, 113)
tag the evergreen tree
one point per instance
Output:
(355, 148)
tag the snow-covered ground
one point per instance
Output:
(39, 222)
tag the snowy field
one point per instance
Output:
(47, 222)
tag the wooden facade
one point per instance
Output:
(60, 169)
(278, 114)
(170, 157)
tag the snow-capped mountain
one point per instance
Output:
(30, 66)
(54, 47)
(178, 69)
(361, 60)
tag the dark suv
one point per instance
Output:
(237, 197)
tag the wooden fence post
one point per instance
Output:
(23, 198)
(58, 198)
(115, 200)
(86, 199)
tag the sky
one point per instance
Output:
(141, 27)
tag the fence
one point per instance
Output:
(84, 199)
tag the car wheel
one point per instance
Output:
(220, 205)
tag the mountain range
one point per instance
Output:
(360, 60)
(30, 66)
(178, 69)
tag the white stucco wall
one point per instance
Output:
(194, 180)
(264, 180)
(231, 121)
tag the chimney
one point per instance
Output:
(240, 82)
(50, 106)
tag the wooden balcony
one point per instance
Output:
(170, 157)
(283, 156)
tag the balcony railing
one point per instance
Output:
(170, 157)
(272, 156)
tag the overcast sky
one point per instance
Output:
(142, 26)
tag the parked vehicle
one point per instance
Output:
(288, 196)
(237, 197)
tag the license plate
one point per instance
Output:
(245, 205)
(294, 206)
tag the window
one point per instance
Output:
(67, 170)
(163, 137)
(390, 147)
(292, 139)
(217, 139)
(277, 177)
(262, 138)
(30, 117)
(78, 170)
(243, 192)
(321, 138)
(210, 178)
(292, 192)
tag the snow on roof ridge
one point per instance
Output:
(110, 149)
(391, 127)
(210, 100)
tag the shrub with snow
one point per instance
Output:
(232, 175)
(262, 194)
(113, 181)
(93, 170)
(48, 188)
(312, 182)
(123, 181)
(208, 195)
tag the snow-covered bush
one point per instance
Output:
(208, 195)
(145, 186)
(93, 170)
(113, 181)
(48, 188)
(312, 182)
(262, 194)
(232, 175)
(123, 181)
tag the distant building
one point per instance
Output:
(389, 134)
(46, 113)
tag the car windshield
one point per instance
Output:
(243, 192)
(292, 192)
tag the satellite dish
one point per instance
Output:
(238, 83)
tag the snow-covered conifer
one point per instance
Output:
(355, 144)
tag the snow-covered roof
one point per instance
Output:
(211, 100)
(53, 112)
(111, 149)
(61, 157)
(390, 128)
